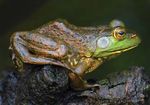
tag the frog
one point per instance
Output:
(80, 49)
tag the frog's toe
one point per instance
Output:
(97, 86)
(92, 86)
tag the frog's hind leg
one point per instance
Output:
(21, 51)
(45, 46)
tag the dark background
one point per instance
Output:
(21, 15)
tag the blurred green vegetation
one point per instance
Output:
(21, 15)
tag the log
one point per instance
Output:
(50, 85)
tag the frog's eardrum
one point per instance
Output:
(103, 42)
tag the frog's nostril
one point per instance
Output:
(133, 35)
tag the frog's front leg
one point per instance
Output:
(22, 46)
(84, 66)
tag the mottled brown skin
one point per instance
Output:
(60, 44)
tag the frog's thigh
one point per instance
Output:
(45, 46)
(60, 52)
(19, 45)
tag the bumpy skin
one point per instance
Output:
(76, 48)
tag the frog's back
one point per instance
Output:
(75, 37)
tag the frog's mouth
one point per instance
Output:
(113, 53)
(117, 52)
(122, 50)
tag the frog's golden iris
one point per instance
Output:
(119, 33)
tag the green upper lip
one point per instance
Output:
(123, 50)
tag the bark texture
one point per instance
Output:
(49, 85)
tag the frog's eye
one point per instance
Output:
(119, 33)
(103, 42)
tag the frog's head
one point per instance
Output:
(115, 40)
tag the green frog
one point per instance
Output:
(79, 49)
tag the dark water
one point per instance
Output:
(18, 15)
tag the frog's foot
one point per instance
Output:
(92, 85)
(77, 83)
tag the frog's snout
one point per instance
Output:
(136, 37)
(133, 35)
